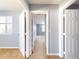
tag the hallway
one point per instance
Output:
(39, 51)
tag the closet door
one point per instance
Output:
(72, 34)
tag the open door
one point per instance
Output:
(72, 34)
(22, 35)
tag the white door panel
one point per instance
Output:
(22, 34)
(72, 34)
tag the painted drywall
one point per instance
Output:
(11, 40)
(53, 41)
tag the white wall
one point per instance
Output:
(13, 39)
(53, 26)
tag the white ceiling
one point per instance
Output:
(10, 5)
(44, 1)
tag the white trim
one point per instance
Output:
(21, 52)
(27, 54)
(62, 7)
(25, 7)
(20, 2)
(39, 12)
(52, 54)
(47, 31)
(67, 4)
(9, 47)
(44, 12)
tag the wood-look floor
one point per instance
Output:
(54, 57)
(10, 54)
(39, 52)
(15, 54)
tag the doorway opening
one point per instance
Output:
(71, 30)
(39, 29)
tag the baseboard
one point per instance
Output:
(55, 55)
(9, 47)
(27, 54)
(52, 54)
(22, 54)
(61, 57)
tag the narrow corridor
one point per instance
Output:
(39, 50)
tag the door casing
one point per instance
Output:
(45, 13)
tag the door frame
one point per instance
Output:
(47, 31)
(61, 14)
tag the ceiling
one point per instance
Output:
(14, 5)
(44, 1)
(10, 5)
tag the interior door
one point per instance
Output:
(30, 35)
(72, 34)
(22, 33)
